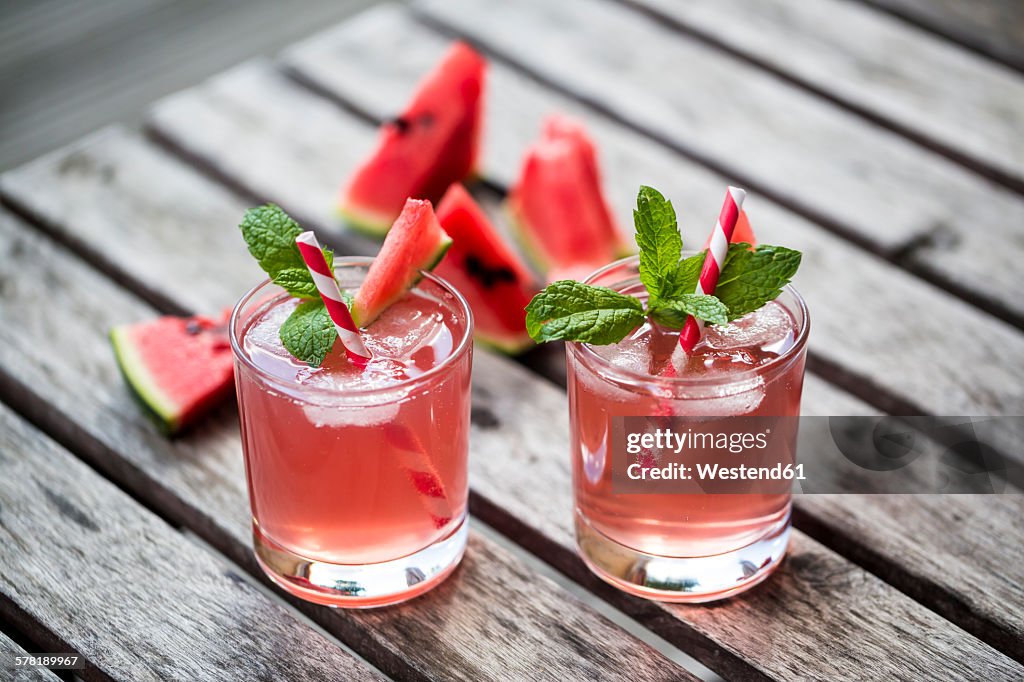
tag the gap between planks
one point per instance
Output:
(1002, 49)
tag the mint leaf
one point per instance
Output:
(308, 333)
(657, 235)
(750, 279)
(270, 234)
(684, 280)
(704, 307)
(296, 282)
(572, 311)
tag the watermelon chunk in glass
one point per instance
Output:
(416, 242)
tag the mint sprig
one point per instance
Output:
(269, 232)
(573, 311)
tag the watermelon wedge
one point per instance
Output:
(416, 242)
(557, 206)
(432, 144)
(179, 368)
(492, 277)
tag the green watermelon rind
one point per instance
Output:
(373, 223)
(369, 223)
(158, 405)
(527, 244)
(505, 345)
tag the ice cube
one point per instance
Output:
(263, 332)
(730, 399)
(338, 374)
(769, 329)
(262, 343)
(340, 414)
(342, 406)
(633, 353)
(405, 327)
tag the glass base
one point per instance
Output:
(361, 586)
(681, 579)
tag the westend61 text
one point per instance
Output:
(716, 472)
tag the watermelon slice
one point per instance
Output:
(179, 368)
(432, 144)
(558, 208)
(492, 277)
(416, 242)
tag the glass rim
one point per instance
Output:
(460, 349)
(621, 375)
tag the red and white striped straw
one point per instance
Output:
(313, 256)
(713, 262)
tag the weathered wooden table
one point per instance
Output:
(885, 141)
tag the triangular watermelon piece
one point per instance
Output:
(558, 207)
(492, 277)
(416, 242)
(179, 368)
(432, 144)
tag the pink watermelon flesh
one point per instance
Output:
(558, 127)
(180, 368)
(432, 144)
(492, 277)
(558, 207)
(414, 243)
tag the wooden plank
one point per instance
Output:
(509, 458)
(873, 186)
(181, 199)
(946, 551)
(59, 368)
(994, 28)
(101, 576)
(925, 87)
(949, 372)
(9, 649)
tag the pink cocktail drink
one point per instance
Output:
(672, 546)
(358, 477)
